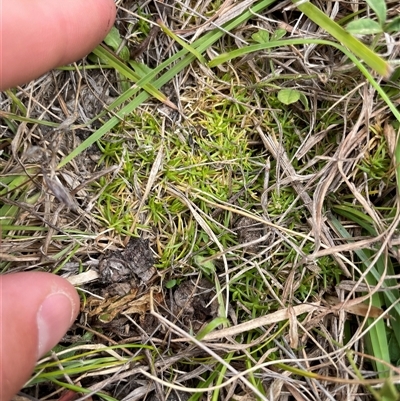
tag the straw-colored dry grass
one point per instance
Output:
(289, 211)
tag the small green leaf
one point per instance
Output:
(206, 266)
(125, 54)
(304, 100)
(113, 39)
(105, 318)
(170, 284)
(261, 36)
(393, 26)
(365, 26)
(212, 326)
(289, 96)
(278, 34)
(379, 7)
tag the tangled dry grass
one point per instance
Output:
(285, 209)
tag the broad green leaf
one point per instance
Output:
(124, 54)
(113, 39)
(365, 26)
(261, 36)
(170, 284)
(393, 26)
(289, 96)
(205, 265)
(278, 34)
(379, 7)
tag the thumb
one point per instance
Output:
(36, 309)
(36, 36)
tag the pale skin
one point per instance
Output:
(36, 36)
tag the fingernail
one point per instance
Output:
(53, 320)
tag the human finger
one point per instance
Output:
(36, 309)
(39, 35)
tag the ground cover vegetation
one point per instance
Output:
(220, 181)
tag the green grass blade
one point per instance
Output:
(79, 389)
(124, 70)
(200, 45)
(378, 343)
(358, 48)
(397, 161)
(392, 295)
(290, 42)
(388, 298)
(16, 117)
(17, 102)
(211, 327)
(186, 46)
(223, 370)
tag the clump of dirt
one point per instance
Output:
(133, 265)
(129, 284)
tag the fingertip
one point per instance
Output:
(44, 34)
(55, 315)
(36, 309)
